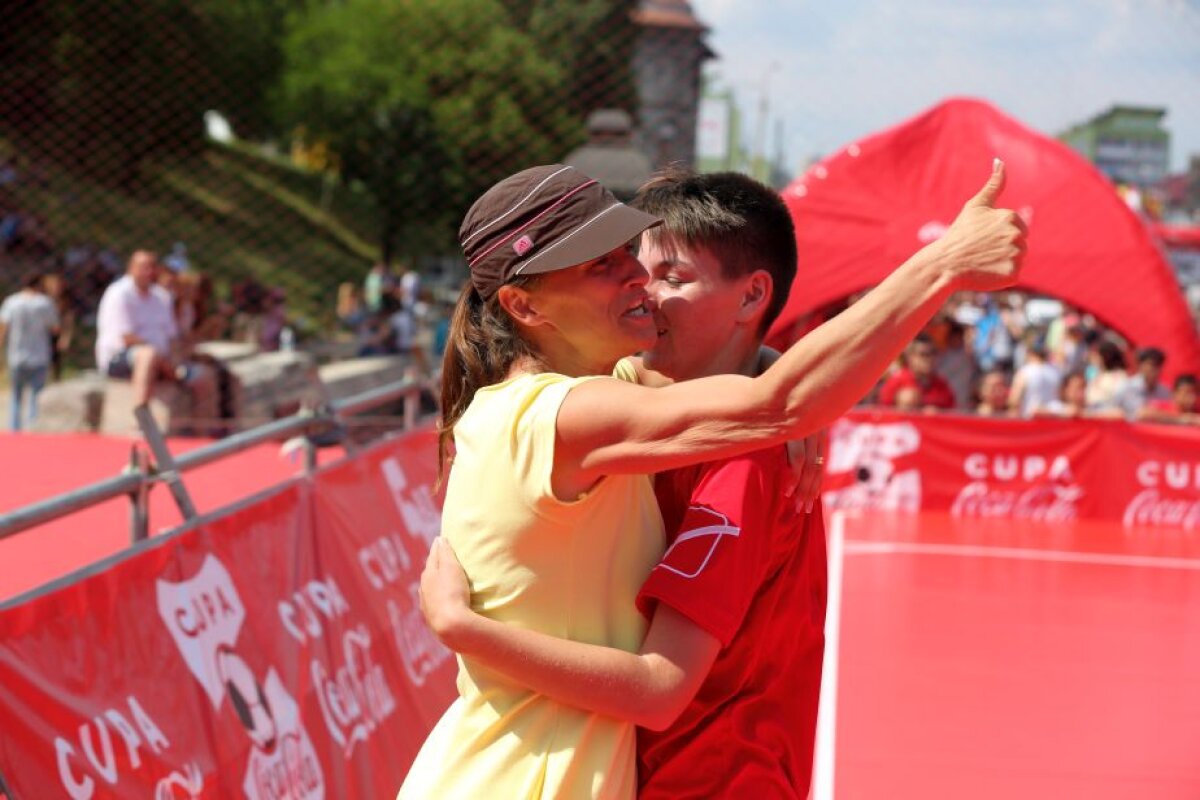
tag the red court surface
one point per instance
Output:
(34, 467)
(1007, 659)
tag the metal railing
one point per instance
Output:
(137, 480)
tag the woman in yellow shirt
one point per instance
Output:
(548, 505)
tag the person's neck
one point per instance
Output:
(558, 355)
(741, 355)
(571, 364)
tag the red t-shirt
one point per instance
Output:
(937, 393)
(745, 566)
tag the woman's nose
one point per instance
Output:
(634, 273)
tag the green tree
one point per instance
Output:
(117, 82)
(245, 38)
(599, 74)
(426, 103)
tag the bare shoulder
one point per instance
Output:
(647, 377)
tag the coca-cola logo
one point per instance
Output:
(1150, 507)
(356, 698)
(290, 770)
(293, 775)
(420, 651)
(1041, 503)
(1018, 486)
(1156, 505)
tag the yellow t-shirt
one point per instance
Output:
(569, 569)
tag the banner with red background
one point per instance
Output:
(277, 652)
(1049, 470)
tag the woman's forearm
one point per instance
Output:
(817, 379)
(604, 429)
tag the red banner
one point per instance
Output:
(275, 653)
(278, 652)
(1051, 470)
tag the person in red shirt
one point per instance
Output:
(1182, 407)
(744, 567)
(919, 373)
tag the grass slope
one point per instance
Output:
(241, 215)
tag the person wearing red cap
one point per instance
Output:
(548, 503)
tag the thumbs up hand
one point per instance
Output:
(984, 246)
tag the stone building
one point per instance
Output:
(667, 60)
(610, 156)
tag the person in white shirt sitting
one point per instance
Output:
(136, 332)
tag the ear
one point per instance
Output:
(756, 296)
(519, 304)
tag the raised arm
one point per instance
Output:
(649, 688)
(605, 426)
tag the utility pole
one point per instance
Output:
(758, 155)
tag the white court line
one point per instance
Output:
(1020, 553)
(823, 758)
(822, 783)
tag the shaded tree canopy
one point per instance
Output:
(593, 41)
(104, 85)
(422, 103)
(426, 103)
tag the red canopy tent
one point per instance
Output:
(862, 211)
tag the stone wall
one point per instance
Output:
(260, 387)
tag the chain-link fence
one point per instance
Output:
(273, 151)
(270, 149)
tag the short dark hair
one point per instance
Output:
(923, 339)
(1187, 379)
(1111, 356)
(32, 279)
(1153, 354)
(744, 223)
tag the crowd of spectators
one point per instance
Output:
(392, 314)
(144, 318)
(986, 355)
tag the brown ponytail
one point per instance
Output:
(481, 348)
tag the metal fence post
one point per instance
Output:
(164, 461)
(137, 480)
(139, 509)
(310, 456)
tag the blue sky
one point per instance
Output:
(835, 71)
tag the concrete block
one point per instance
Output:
(226, 351)
(71, 406)
(270, 385)
(353, 376)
